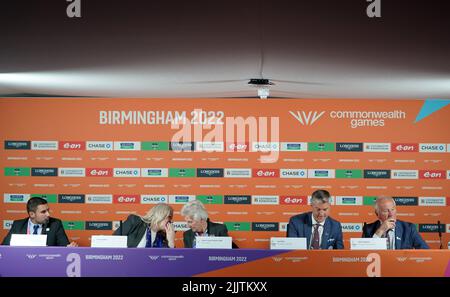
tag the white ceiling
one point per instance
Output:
(163, 49)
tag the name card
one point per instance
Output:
(108, 241)
(288, 243)
(213, 242)
(368, 244)
(28, 240)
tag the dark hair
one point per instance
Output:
(34, 202)
(321, 195)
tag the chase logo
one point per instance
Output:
(293, 173)
(15, 198)
(7, 224)
(406, 201)
(126, 199)
(351, 227)
(209, 172)
(237, 199)
(265, 226)
(298, 200)
(17, 145)
(44, 145)
(127, 172)
(349, 147)
(154, 199)
(71, 198)
(377, 173)
(307, 118)
(182, 146)
(432, 147)
(72, 145)
(99, 145)
(180, 226)
(181, 199)
(431, 228)
(127, 145)
(98, 225)
(154, 172)
(294, 146)
(265, 146)
(44, 171)
(432, 174)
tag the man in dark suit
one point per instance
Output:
(40, 222)
(320, 230)
(196, 217)
(399, 234)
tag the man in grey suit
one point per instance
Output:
(40, 222)
(320, 230)
(196, 217)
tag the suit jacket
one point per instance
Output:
(135, 228)
(54, 230)
(213, 229)
(406, 235)
(301, 225)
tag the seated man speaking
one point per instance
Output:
(40, 222)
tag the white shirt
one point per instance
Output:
(30, 228)
(390, 236)
(314, 222)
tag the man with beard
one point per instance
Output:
(40, 222)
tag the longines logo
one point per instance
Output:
(402, 259)
(31, 256)
(307, 119)
(153, 257)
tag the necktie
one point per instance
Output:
(35, 229)
(315, 244)
(158, 240)
(389, 235)
(148, 236)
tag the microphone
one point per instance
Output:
(120, 226)
(440, 234)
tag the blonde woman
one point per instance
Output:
(153, 230)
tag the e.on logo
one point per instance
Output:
(432, 174)
(237, 147)
(126, 198)
(99, 172)
(405, 147)
(72, 145)
(266, 173)
(293, 200)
